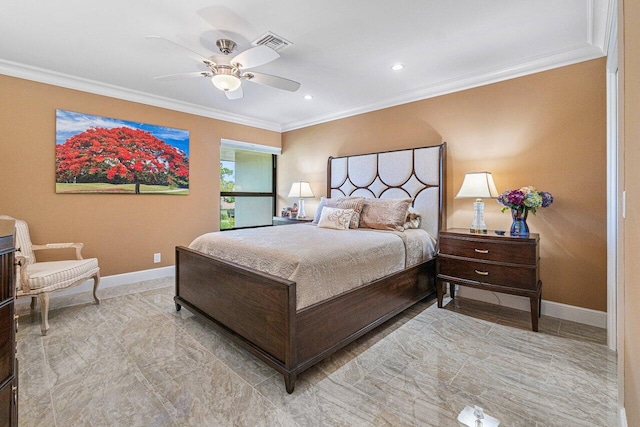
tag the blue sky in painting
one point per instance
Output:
(69, 123)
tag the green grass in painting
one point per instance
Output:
(116, 188)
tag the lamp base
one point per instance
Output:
(478, 226)
(301, 213)
(478, 230)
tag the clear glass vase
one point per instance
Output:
(519, 227)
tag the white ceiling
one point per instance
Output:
(342, 50)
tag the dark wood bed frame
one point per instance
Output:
(258, 310)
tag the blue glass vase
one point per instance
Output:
(519, 227)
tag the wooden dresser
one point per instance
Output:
(489, 261)
(8, 362)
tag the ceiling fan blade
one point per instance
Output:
(236, 94)
(273, 81)
(178, 47)
(255, 57)
(181, 76)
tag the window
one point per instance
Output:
(247, 184)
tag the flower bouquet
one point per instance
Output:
(521, 201)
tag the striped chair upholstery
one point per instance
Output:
(39, 279)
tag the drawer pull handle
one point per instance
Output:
(482, 273)
(482, 251)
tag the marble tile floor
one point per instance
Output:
(134, 361)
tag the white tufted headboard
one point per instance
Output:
(416, 172)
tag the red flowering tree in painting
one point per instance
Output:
(121, 156)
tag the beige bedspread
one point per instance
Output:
(323, 262)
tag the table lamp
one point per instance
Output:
(478, 185)
(301, 190)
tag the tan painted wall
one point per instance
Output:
(123, 231)
(630, 134)
(546, 130)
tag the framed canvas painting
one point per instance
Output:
(103, 155)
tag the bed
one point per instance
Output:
(267, 307)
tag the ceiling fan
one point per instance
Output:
(227, 73)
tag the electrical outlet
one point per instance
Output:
(157, 258)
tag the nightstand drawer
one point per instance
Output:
(489, 250)
(520, 277)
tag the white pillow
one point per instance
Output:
(316, 217)
(335, 218)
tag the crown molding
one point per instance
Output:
(41, 75)
(534, 65)
(599, 34)
(602, 14)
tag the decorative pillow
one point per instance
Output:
(335, 218)
(351, 202)
(384, 214)
(413, 219)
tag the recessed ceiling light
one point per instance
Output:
(308, 97)
(397, 67)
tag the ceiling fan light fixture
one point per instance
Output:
(308, 97)
(227, 72)
(226, 82)
(397, 67)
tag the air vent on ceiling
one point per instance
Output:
(272, 40)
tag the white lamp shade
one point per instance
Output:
(478, 185)
(226, 82)
(301, 190)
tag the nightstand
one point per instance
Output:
(280, 220)
(506, 264)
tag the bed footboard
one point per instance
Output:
(254, 308)
(258, 310)
(326, 327)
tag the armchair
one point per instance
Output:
(39, 279)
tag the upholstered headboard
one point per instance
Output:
(416, 172)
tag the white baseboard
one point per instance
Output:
(549, 308)
(623, 418)
(119, 280)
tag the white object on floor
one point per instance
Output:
(468, 418)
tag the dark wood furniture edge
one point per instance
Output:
(481, 261)
(535, 296)
(9, 384)
(454, 233)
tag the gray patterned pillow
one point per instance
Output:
(384, 214)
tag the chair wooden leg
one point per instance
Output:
(96, 281)
(34, 302)
(44, 312)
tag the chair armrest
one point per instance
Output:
(77, 246)
(22, 262)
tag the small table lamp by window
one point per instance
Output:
(301, 190)
(478, 185)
